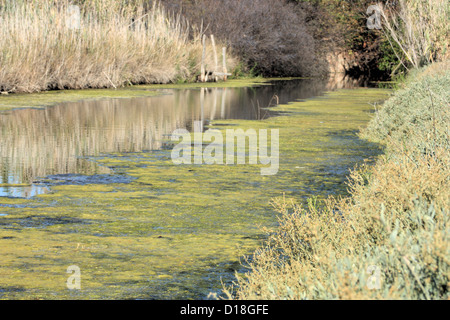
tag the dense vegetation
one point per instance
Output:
(117, 43)
(390, 239)
(144, 41)
(271, 38)
(294, 37)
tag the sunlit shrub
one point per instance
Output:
(390, 238)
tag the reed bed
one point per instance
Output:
(115, 43)
(418, 31)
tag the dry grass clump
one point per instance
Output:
(391, 238)
(420, 29)
(118, 43)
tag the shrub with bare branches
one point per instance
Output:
(271, 37)
(419, 30)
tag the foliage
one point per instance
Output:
(419, 30)
(396, 221)
(272, 38)
(344, 25)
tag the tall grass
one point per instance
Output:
(119, 43)
(391, 238)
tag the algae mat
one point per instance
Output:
(176, 232)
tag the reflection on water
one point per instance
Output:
(59, 140)
(149, 229)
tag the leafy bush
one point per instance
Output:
(418, 115)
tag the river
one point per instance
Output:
(92, 184)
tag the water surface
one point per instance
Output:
(60, 140)
(92, 184)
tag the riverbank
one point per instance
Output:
(390, 238)
(55, 97)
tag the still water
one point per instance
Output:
(38, 143)
(92, 184)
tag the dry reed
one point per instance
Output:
(117, 44)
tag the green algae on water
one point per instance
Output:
(174, 232)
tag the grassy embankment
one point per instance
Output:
(394, 226)
(116, 45)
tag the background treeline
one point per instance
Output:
(299, 37)
(271, 38)
(130, 42)
(292, 37)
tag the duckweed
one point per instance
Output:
(175, 231)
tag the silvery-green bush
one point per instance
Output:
(390, 238)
